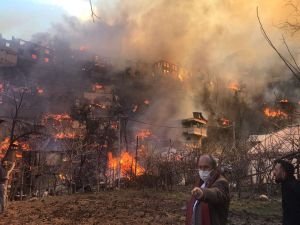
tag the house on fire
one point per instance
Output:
(25, 51)
(195, 129)
(266, 148)
(165, 68)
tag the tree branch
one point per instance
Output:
(290, 66)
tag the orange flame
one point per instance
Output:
(62, 135)
(5, 144)
(224, 122)
(127, 163)
(97, 87)
(58, 117)
(112, 162)
(144, 133)
(274, 113)
(234, 86)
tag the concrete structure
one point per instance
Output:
(195, 129)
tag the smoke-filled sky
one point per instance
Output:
(217, 37)
(190, 32)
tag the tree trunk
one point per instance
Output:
(4, 188)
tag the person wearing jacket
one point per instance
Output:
(209, 204)
(290, 190)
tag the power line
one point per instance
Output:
(155, 125)
(171, 127)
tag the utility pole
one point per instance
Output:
(136, 154)
(119, 169)
(233, 134)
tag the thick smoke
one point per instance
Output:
(218, 41)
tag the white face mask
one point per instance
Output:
(204, 175)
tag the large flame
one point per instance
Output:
(20, 145)
(127, 162)
(273, 113)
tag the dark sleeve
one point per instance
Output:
(297, 188)
(2, 174)
(217, 194)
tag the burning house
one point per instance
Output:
(195, 129)
(24, 51)
(100, 99)
(165, 68)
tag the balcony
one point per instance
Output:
(198, 131)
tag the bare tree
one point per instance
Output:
(19, 129)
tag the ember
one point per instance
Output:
(97, 87)
(224, 122)
(40, 90)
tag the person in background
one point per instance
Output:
(290, 190)
(3, 179)
(209, 204)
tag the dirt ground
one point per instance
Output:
(129, 207)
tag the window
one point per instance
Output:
(7, 44)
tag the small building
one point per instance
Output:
(195, 129)
(8, 57)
